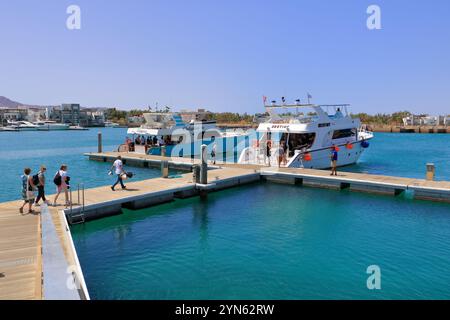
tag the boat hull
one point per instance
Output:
(227, 148)
(53, 127)
(318, 159)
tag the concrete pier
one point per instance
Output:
(361, 182)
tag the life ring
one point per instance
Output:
(349, 146)
(307, 157)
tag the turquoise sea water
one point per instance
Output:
(269, 241)
(258, 241)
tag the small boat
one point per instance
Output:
(47, 125)
(306, 137)
(109, 124)
(77, 128)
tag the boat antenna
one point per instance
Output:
(309, 97)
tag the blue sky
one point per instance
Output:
(224, 55)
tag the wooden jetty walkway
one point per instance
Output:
(36, 250)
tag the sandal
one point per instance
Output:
(21, 210)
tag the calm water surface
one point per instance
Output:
(269, 241)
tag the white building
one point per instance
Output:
(429, 121)
(413, 120)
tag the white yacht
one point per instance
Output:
(22, 125)
(47, 125)
(306, 137)
(182, 134)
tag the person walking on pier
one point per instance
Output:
(27, 190)
(40, 179)
(213, 153)
(268, 153)
(61, 180)
(118, 170)
(334, 158)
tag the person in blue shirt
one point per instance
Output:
(334, 158)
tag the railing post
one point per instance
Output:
(99, 142)
(163, 151)
(430, 171)
(82, 185)
(204, 166)
(165, 169)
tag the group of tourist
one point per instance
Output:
(33, 187)
(282, 159)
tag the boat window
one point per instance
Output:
(344, 133)
(299, 141)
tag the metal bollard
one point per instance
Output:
(204, 165)
(165, 169)
(163, 151)
(196, 173)
(430, 171)
(99, 143)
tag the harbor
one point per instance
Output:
(30, 257)
(224, 159)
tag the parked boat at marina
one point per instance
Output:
(110, 124)
(307, 137)
(48, 125)
(182, 137)
(22, 125)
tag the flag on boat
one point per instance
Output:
(264, 100)
(283, 99)
(309, 96)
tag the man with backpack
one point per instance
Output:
(119, 171)
(39, 181)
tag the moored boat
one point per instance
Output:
(47, 125)
(182, 137)
(300, 139)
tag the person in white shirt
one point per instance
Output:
(119, 171)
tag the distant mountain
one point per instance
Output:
(7, 103)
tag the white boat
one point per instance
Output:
(47, 125)
(110, 124)
(181, 138)
(77, 128)
(22, 125)
(8, 129)
(307, 138)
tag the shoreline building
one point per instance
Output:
(426, 120)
